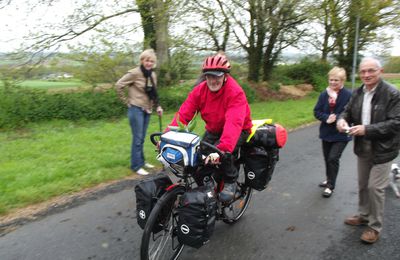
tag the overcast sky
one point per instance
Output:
(15, 23)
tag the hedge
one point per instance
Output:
(20, 106)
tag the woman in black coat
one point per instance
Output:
(331, 103)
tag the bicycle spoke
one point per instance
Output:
(161, 245)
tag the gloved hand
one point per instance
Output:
(213, 158)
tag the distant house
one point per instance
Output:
(67, 76)
(54, 76)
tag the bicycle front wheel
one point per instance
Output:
(159, 240)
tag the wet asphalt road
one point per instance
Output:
(289, 220)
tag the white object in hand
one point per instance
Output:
(213, 158)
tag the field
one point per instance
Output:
(52, 84)
(71, 84)
(44, 84)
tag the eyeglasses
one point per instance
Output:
(212, 77)
(369, 71)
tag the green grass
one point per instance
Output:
(60, 157)
(290, 113)
(44, 84)
(50, 84)
(395, 82)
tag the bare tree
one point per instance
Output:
(211, 28)
(339, 26)
(326, 16)
(264, 28)
(250, 28)
(284, 19)
(373, 15)
(95, 18)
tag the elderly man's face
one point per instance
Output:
(215, 83)
(370, 73)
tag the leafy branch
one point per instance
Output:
(185, 128)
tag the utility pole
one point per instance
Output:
(353, 76)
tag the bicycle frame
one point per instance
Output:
(164, 244)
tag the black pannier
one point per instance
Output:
(259, 165)
(147, 192)
(196, 216)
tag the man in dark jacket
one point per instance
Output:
(373, 113)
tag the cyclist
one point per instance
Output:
(223, 106)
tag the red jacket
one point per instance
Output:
(225, 112)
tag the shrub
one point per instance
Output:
(172, 97)
(21, 106)
(307, 71)
(250, 93)
(393, 65)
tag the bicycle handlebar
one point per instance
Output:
(212, 147)
(153, 136)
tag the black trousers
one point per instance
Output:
(228, 169)
(332, 153)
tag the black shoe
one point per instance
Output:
(323, 184)
(228, 193)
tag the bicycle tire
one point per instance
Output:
(166, 244)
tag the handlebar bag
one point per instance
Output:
(178, 149)
(147, 192)
(196, 216)
(259, 165)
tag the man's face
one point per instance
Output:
(370, 73)
(215, 83)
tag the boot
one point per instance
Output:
(228, 193)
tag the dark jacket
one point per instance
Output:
(384, 130)
(328, 132)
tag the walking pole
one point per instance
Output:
(159, 122)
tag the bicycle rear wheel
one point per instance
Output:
(159, 239)
(235, 210)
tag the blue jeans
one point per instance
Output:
(139, 121)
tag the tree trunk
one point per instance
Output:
(146, 13)
(269, 57)
(162, 40)
(254, 66)
(155, 21)
(161, 32)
